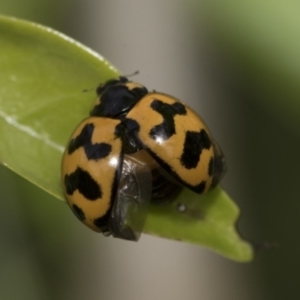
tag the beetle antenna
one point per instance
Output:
(129, 75)
(132, 74)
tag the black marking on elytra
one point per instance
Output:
(103, 222)
(97, 151)
(78, 212)
(116, 99)
(198, 188)
(82, 181)
(119, 130)
(194, 143)
(129, 129)
(211, 166)
(84, 139)
(168, 111)
(132, 125)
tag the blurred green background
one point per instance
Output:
(238, 65)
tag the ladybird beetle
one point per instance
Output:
(135, 146)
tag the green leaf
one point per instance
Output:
(43, 75)
(208, 220)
